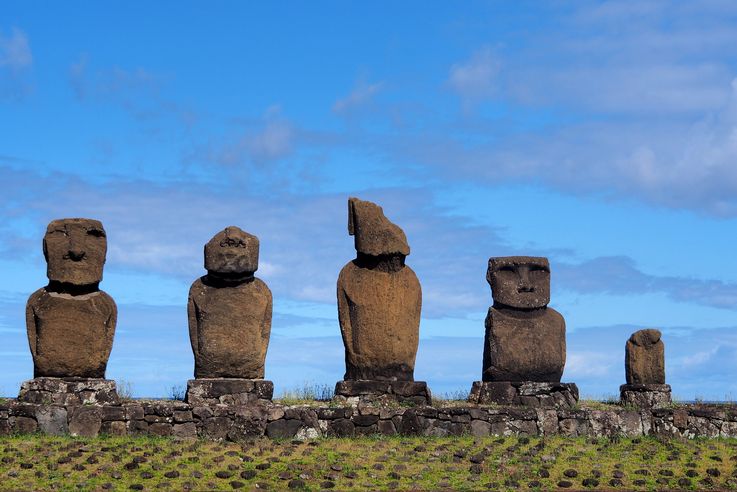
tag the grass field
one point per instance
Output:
(34, 462)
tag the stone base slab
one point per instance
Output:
(69, 391)
(526, 393)
(373, 391)
(645, 395)
(228, 391)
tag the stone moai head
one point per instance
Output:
(374, 234)
(232, 252)
(521, 282)
(75, 251)
(644, 358)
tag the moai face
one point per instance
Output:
(374, 234)
(75, 251)
(232, 252)
(521, 282)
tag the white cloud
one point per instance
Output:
(117, 84)
(15, 51)
(361, 94)
(476, 78)
(272, 140)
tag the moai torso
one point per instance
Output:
(379, 300)
(525, 339)
(380, 321)
(230, 310)
(644, 358)
(71, 323)
(72, 335)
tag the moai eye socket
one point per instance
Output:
(95, 233)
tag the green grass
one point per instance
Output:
(418, 463)
(308, 394)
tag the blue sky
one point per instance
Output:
(602, 135)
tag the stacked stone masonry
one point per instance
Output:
(235, 423)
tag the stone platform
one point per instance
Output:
(645, 395)
(525, 393)
(245, 422)
(69, 391)
(228, 391)
(373, 391)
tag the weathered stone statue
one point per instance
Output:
(644, 358)
(230, 322)
(525, 340)
(71, 322)
(644, 368)
(379, 303)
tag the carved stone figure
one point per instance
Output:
(644, 368)
(70, 322)
(379, 299)
(525, 340)
(230, 310)
(644, 358)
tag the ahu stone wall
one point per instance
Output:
(234, 422)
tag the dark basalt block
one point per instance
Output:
(527, 393)
(69, 391)
(363, 390)
(645, 395)
(228, 391)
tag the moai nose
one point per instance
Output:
(76, 254)
(524, 280)
(76, 250)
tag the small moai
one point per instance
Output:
(229, 312)
(644, 369)
(71, 322)
(525, 340)
(379, 303)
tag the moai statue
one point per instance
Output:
(379, 303)
(229, 323)
(71, 322)
(525, 340)
(644, 369)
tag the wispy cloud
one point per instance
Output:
(114, 83)
(475, 79)
(16, 61)
(361, 94)
(15, 50)
(266, 140)
(618, 275)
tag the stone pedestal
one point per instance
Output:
(527, 393)
(645, 395)
(69, 391)
(228, 391)
(374, 391)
